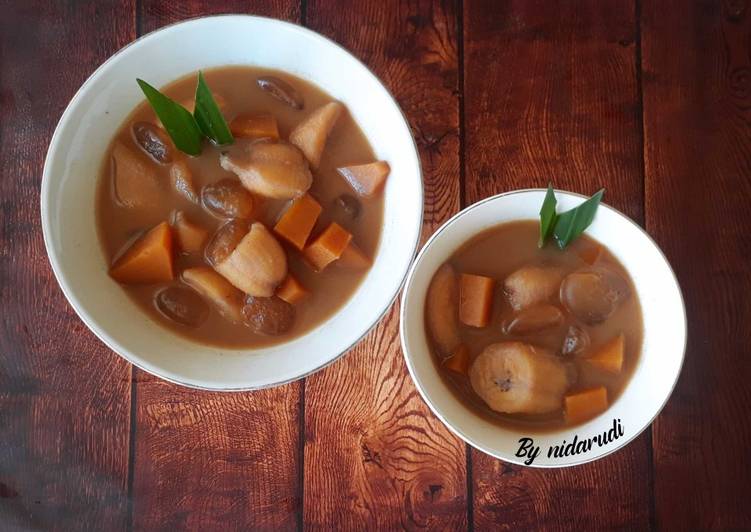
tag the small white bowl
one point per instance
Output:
(96, 112)
(661, 355)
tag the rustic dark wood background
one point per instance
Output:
(651, 99)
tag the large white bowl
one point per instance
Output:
(104, 101)
(661, 355)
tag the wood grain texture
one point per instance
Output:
(215, 461)
(212, 461)
(551, 95)
(697, 130)
(551, 92)
(64, 397)
(156, 13)
(375, 458)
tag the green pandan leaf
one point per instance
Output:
(548, 216)
(570, 224)
(177, 120)
(208, 116)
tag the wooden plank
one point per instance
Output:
(375, 458)
(64, 397)
(156, 13)
(697, 110)
(212, 461)
(551, 95)
(215, 461)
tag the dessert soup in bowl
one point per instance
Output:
(514, 381)
(80, 145)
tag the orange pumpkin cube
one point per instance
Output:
(250, 126)
(587, 250)
(328, 247)
(353, 258)
(149, 260)
(475, 299)
(609, 357)
(459, 361)
(298, 220)
(585, 404)
(291, 290)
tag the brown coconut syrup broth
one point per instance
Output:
(236, 86)
(497, 253)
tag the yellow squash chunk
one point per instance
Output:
(353, 258)
(227, 299)
(585, 404)
(366, 179)
(311, 134)
(475, 299)
(609, 357)
(328, 247)
(291, 290)
(148, 260)
(250, 126)
(298, 220)
(190, 236)
(134, 178)
(459, 361)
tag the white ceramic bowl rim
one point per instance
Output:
(46, 221)
(440, 414)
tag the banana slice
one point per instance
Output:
(534, 319)
(311, 134)
(441, 310)
(515, 377)
(531, 285)
(272, 169)
(593, 295)
(257, 265)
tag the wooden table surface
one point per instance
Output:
(651, 99)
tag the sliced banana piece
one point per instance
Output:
(534, 319)
(272, 169)
(227, 299)
(442, 311)
(531, 285)
(311, 134)
(518, 378)
(257, 265)
(593, 295)
(182, 181)
(134, 178)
